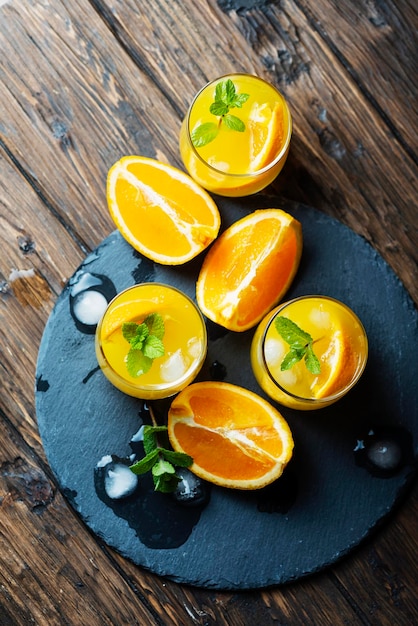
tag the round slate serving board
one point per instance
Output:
(331, 496)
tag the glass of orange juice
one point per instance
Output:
(309, 352)
(151, 341)
(236, 134)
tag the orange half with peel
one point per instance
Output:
(236, 438)
(160, 210)
(249, 268)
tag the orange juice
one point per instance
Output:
(184, 340)
(339, 343)
(239, 150)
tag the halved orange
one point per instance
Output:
(160, 210)
(236, 438)
(249, 268)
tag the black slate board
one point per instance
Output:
(330, 497)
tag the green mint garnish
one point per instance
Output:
(145, 343)
(300, 343)
(226, 98)
(160, 460)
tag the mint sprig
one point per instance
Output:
(160, 460)
(226, 98)
(146, 343)
(300, 343)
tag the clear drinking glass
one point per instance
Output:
(338, 339)
(185, 340)
(236, 162)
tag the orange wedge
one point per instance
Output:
(235, 437)
(160, 210)
(249, 268)
(266, 134)
(338, 366)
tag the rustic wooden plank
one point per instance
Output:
(363, 32)
(53, 572)
(79, 88)
(80, 108)
(37, 256)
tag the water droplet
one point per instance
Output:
(384, 450)
(217, 371)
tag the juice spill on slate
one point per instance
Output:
(384, 450)
(161, 521)
(89, 296)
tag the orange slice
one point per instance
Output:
(266, 134)
(249, 268)
(235, 437)
(160, 210)
(338, 366)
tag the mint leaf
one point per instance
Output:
(292, 357)
(177, 458)
(312, 361)
(240, 99)
(150, 441)
(145, 341)
(129, 330)
(291, 333)
(155, 324)
(162, 467)
(166, 483)
(225, 91)
(204, 134)
(219, 108)
(137, 363)
(234, 123)
(300, 343)
(159, 460)
(144, 465)
(153, 347)
(226, 98)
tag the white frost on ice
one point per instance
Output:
(105, 460)
(139, 435)
(120, 481)
(89, 307)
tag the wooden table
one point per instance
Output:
(84, 83)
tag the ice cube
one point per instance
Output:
(89, 307)
(194, 347)
(274, 351)
(288, 378)
(120, 481)
(139, 435)
(175, 367)
(320, 318)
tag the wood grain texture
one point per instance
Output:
(83, 83)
